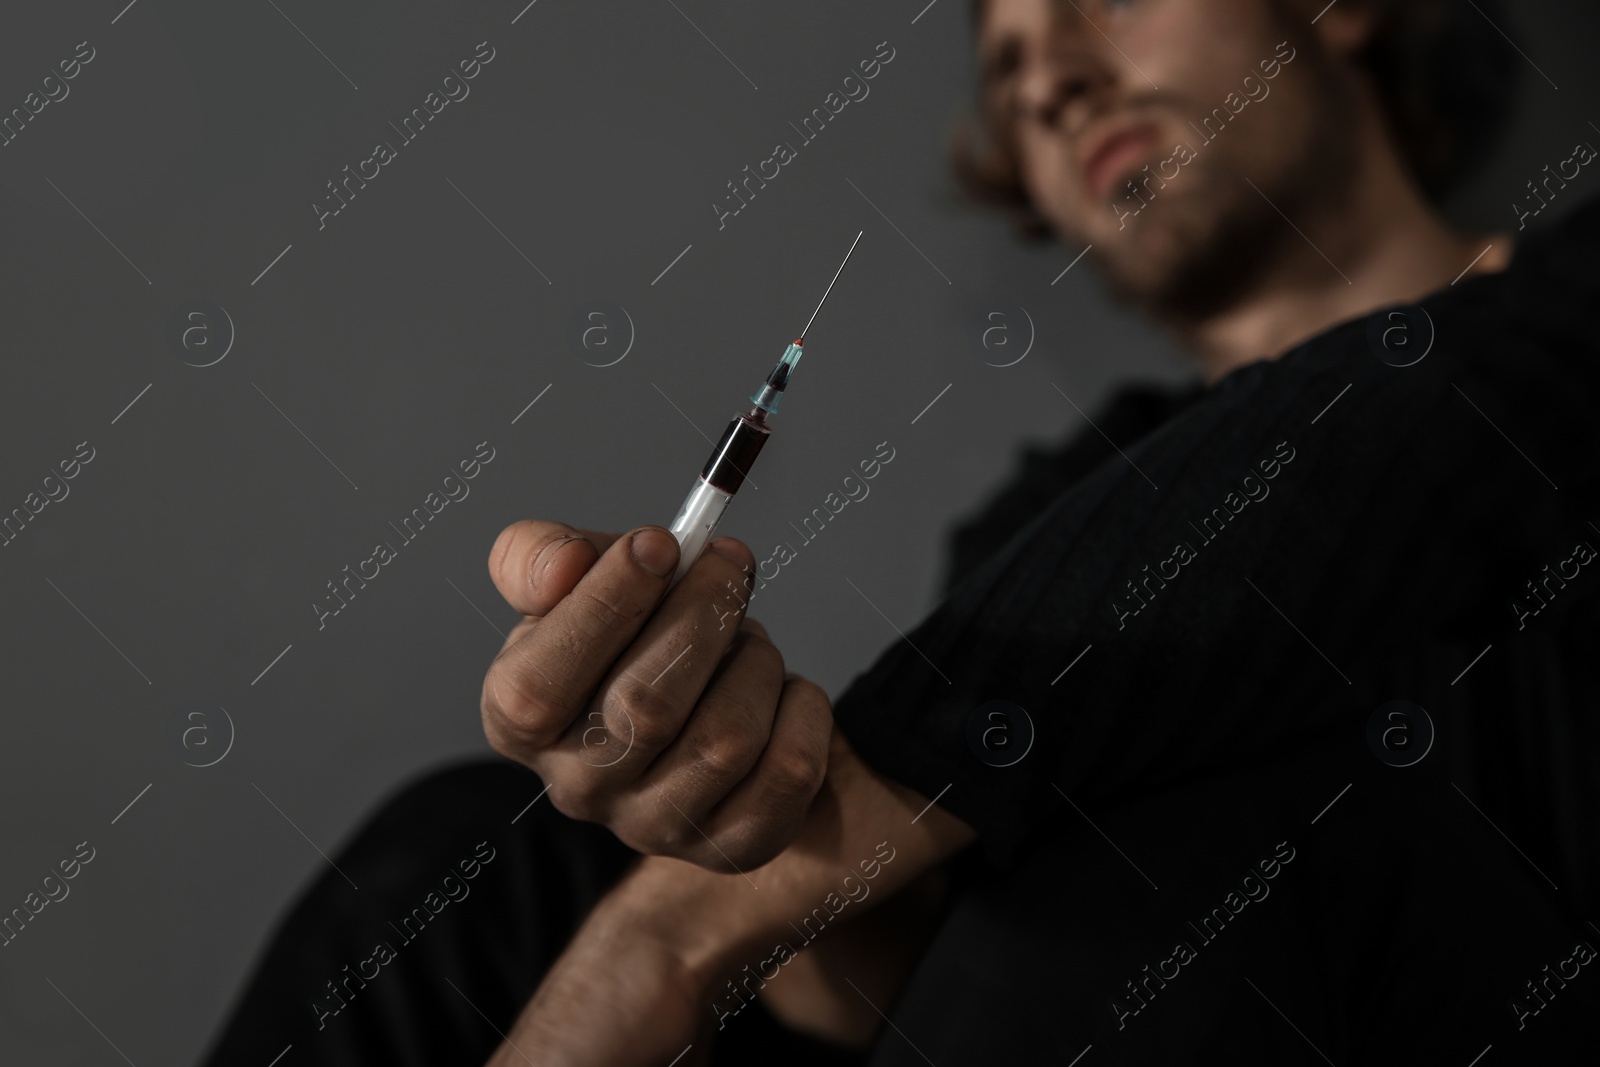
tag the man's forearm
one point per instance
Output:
(718, 921)
(657, 950)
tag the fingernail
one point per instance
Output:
(729, 548)
(655, 550)
(546, 557)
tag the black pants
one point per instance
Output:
(449, 981)
(1396, 926)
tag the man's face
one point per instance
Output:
(1140, 126)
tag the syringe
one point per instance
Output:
(736, 452)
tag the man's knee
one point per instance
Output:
(439, 813)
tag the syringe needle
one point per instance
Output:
(836, 274)
(741, 442)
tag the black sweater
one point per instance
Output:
(1204, 637)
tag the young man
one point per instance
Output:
(1299, 669)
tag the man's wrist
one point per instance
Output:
(712, 921)
(693, 913)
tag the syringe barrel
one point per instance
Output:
(724, 473)
(734, 455)
(696, 521)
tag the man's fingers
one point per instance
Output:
(534, 563)
(716, 748)
(576, 642)
(653, 688)
(762, 814)
(639, 706)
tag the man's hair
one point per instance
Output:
(1444, 74)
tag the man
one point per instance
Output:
(1299, 668)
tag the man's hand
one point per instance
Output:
(669, 719)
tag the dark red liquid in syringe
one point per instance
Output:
(736, 452)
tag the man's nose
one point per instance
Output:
(1065, 76)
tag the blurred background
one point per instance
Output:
(265, 389)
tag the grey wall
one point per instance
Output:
(408, 329)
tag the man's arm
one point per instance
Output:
(648, 972)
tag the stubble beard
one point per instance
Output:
(1208, 239)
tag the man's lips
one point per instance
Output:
(1111, 153)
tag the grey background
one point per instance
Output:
(407, 331)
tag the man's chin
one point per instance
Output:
(1175, 259)
(1138, 255)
